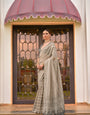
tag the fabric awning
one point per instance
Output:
(57, 8)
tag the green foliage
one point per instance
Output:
(26, 64)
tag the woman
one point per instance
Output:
(49, 99)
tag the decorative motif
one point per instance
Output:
(59, 9)
(27, 45)
(27, 53)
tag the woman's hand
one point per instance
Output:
(40, 66)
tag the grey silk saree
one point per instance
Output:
(49, 99)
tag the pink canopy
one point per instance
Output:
(57, 8)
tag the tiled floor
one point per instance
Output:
(25, 109)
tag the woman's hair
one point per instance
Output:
(47, 30)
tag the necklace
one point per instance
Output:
(46, 41)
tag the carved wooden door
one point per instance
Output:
(26, 42)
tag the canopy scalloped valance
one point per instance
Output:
(21, 9)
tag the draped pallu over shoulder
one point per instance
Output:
(49, 99)
(53, 98)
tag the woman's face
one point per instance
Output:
(46, 35)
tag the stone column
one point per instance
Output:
(88, 44)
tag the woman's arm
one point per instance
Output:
(37, 60)
(39, 66)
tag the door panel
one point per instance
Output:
(27, 45)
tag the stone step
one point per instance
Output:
(41, 114)
(67, 112)
(26, 109)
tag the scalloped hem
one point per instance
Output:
(36, 112)
(61, 113)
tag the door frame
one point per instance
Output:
(41, 23)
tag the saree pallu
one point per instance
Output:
(49, 98)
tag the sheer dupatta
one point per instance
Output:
(53, 98)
